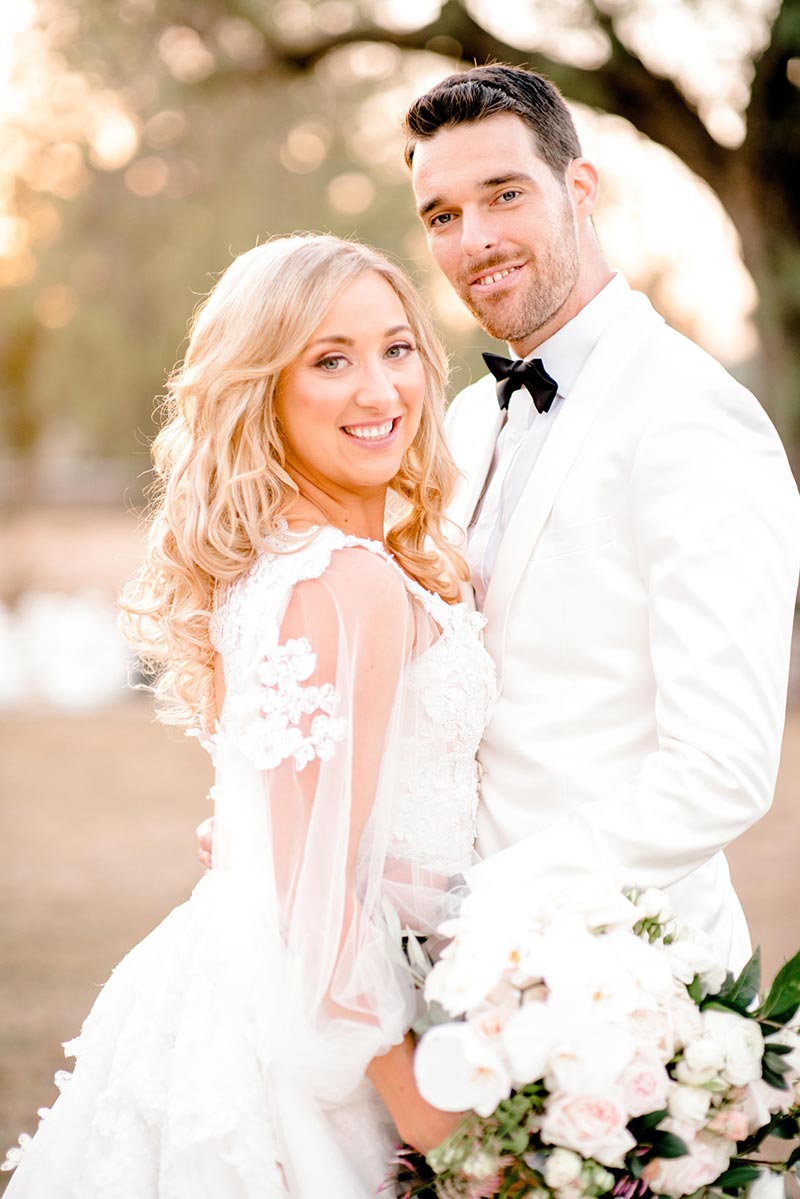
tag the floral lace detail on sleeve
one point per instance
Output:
(275, 733)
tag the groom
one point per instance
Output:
(633, 526)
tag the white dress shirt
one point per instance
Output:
(525, 430)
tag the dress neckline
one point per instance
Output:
(437, 608)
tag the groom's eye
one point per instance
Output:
(441, 218)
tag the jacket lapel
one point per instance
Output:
(620, 339)
(472, 439)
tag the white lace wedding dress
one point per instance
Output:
(225, 1056)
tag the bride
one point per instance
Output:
(256, 1043)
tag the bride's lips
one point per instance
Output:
(374, 434)
(496, 278)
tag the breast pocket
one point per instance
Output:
(574, 539)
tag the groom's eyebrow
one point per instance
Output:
(484, 184)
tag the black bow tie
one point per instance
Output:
(531, 375)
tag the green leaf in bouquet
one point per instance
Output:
(774, 1062)
(784, 994)
(793, 1159)
(667, 1144)
(648, 1121)
(515, 1142)
(774, 1066)
(738, 1175)
(744, 989)
(433, 1014)
(717, 1003)
(773, 1079)
(695, 989)
(783, 1127)
(635, 1165)
(418, 957)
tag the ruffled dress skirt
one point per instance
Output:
(189, 1084)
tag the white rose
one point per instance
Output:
(529, 1038)
(489, 1020)
(689, 1105)
(708, 1157)
(581, 968)
(757, 1105)
(562, 1167)
(455, 1071)
(467, 971)
(686, 1017)
(652, 1029)
(742, 1042)
(691, 954)
(591, 1124)
(645, 1084)
(702, 1062)
(598, 901)
(768, 1185)
(654, 905)
(645, 963)
(589, 1058)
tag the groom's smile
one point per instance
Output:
(490, 281)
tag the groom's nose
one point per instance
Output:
(477, 233)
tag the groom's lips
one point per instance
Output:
(495, 278)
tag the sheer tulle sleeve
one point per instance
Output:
(317, 719)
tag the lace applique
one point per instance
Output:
(276, 734)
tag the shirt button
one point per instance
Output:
(514, 437)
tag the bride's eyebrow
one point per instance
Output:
(339, 340)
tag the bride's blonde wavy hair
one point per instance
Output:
(221, 486)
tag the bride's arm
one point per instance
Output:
(332, 697)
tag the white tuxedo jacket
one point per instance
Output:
(640, 615)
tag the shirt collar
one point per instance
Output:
(566, 352)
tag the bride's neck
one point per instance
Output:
(358, 515)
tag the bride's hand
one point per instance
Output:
(205, 839)
(419, 1123)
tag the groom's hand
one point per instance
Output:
(205, 840)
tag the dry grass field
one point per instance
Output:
(97, 844)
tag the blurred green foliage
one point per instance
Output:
(159, 139)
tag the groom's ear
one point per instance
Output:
(583, 186)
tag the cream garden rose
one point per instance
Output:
(591, 1124)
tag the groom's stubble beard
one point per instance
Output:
(554, 270)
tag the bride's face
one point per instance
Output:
(350, 406)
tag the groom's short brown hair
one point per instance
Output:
(485, 91)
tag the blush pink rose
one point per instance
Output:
(645, 1085)
(731, 1122)
(707, 1158)
(592, 1124)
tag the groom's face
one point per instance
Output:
(500, 225)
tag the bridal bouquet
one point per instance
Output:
(598, 1048)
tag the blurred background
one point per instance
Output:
(143, 143)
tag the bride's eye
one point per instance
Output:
(331, 363)
(400, 349)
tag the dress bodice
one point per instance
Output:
(448, 693)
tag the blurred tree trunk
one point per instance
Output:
(21, 416)
(758, 183)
